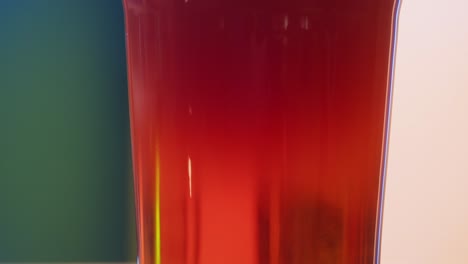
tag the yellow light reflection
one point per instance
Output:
(157, 224)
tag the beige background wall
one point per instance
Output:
(426, 207)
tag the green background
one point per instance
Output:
(65, 170)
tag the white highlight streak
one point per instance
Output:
(189, 165)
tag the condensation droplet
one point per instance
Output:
(305, 23)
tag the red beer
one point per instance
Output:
(259, 128)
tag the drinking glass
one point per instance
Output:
(259, 128)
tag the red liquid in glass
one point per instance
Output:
(258, 128)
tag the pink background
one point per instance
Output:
(426, 208)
